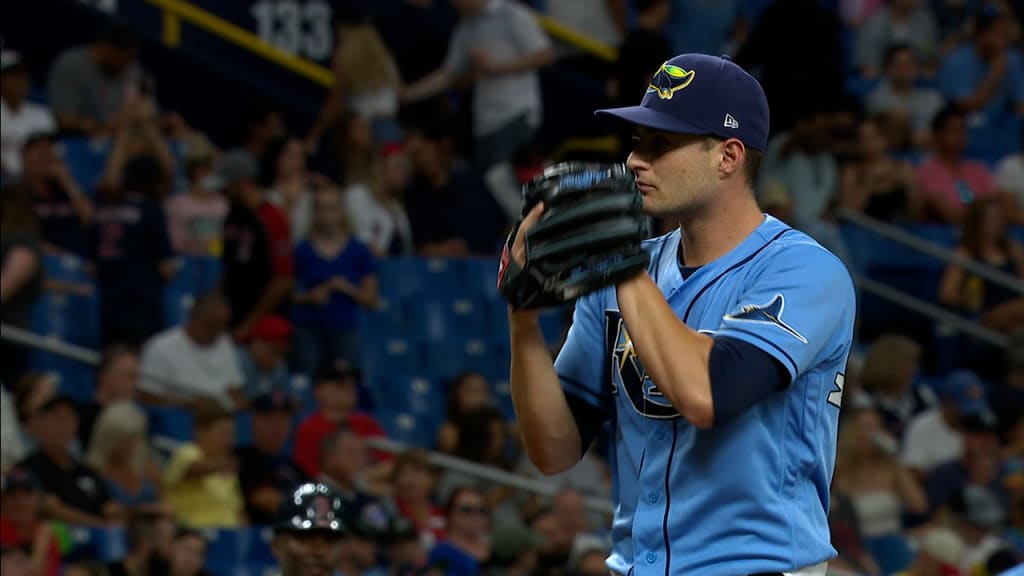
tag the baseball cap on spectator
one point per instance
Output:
(234, 166)
(11, 60)
(19, 479)
(509, 541)
(703, 95)
(276, 401)
(334, 372)
(370, 521)
(271, 328)
(967, 392)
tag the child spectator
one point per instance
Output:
(196, 215)
(262, 357)
(21, 523)
(414, 481)
(266, 471)
(201, 479)
(336, 276)
(334, 389)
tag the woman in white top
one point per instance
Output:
(375, 206)
(366, 82)
(870, 474)
(289, 184)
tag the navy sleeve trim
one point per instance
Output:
(742, 375)
(589, 419)
(782, 351)
(576, 387)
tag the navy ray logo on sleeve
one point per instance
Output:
(770, 313)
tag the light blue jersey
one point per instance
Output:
(753, 495)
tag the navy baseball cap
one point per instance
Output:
(967, 391)
(705, 95)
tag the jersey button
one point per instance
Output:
(652, 557)
(659, 435)
(653, 497)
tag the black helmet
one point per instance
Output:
(311, 507)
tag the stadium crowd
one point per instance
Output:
(906, 111)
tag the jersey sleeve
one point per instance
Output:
(580, 363)
(797, 308)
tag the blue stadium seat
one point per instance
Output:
(497, 313)
(257, 548)
(243, 428)
(387, 321)
(411, 393)
(85, 158)
(552, 324)
(170, 422)
(437, 319)
(391, 356)
(226, 549)
(100, 544)
(404, 279)
(503, 396)
(411, 429)
(448, 358)
(479, 278)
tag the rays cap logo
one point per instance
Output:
(704, 95)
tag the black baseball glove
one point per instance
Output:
(588, 237)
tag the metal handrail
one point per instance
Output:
(932, 249)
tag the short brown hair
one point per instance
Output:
(208, 413)
(414, 458)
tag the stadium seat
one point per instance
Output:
(391, 356)
(411, 393)
(100, 544)
(411, 429)
(552, 324)
(85, 159)
(503, 396)
(404, 279)
(479, 278)
(387, 321)
(257, 548)
(448, 358)
(438, 319)
(243, 428)
(226, 549)
(170, 422)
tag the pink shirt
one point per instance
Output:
(195, 224)
(973, 181)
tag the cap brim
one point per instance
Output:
(649, 118)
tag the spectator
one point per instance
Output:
(933, 437)
(1010, 181)
(31, 392)
(876, 184)
(19, 118)
(514, 551)
(195, 217)
(467, 545)
(977, 514)
(977, 465)
(368, 526)
(119, 451)
(466, 393)
(948, 182)
(349, 155)
(939, 552)
(16, 561)
(117, 377)
(201, 480)
(557, 547)
(193, 361)
(403, 549)
(336, 276)
(75, 492)
(414, 481)
(878, 485)
(290, 186)
(344, 467)
(856, 12)
(262, 357)
(848, 539)
(375, 208)
(21, 275)
(587, 558)
(90, 86)
(62, 208)
(499, 44)
(985, 239)
(261, 124)
(642, 51)
(188, 556)
(266, 471)
(22, 524)
(889, 375)
(451, 211)
(985, 78)
(257, 259)
(899, 21)
(12, 447)
(133, 255)
(138, 134)
(141, 538)
(336, 396)
(373, 94)
(899, 94)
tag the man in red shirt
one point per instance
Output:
(336, 396)
(257, 259)
(20, 525)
